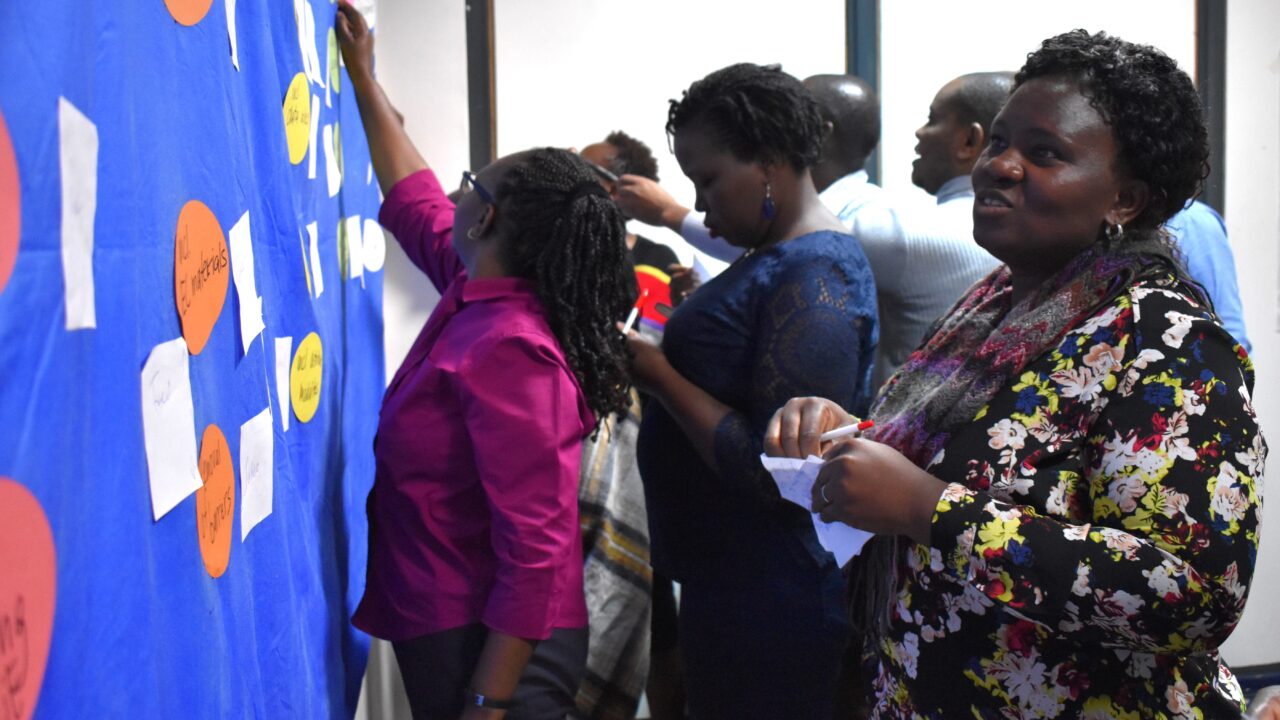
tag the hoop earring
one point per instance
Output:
(1114, 232)
(474, 232)
(768, 209)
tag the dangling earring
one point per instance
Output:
(1115, 232)
(474, 232)
(768, 209)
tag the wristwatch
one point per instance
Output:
(481, 700)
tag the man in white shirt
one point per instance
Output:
(924, 267)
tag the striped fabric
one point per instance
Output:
(617, 576)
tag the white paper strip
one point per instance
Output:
(231, 31)
(315, 128)
(355, 248)
(78, 161)
(257, 471)
(375, 246)
(331, 162)
(241, 242)
(317, 277)
(169, 426)
(284, 356)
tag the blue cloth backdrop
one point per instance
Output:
(140, 628)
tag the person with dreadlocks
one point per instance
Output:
(475, 554)
(1065, 478)
(762, 620)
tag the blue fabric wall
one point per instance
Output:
(141, 629)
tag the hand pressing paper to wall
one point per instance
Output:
(795, 480)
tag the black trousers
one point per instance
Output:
(437, 669)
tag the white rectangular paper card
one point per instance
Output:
(795, 480)
(284, 356)
(257, 470)
(78, 162)
(355, 248)
(246, 287)
(231, 31)
(317, 277)
(169, 426)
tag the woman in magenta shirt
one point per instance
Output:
(475, 552)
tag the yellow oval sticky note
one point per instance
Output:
(305, 377)
(28, 588)
(10, 205)
(200, 273)
(297, 118)
(216, 501)
(188, 12)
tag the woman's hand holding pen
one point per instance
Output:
(863, 483)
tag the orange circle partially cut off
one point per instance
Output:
(200, 273)
(188, 12)
(28, 588)
(10, 205)
(216, 501)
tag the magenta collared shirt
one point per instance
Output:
(473, 514)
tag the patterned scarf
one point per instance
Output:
(976, 350)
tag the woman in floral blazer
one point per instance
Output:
(1066, 476)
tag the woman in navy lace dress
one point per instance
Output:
(762, 623)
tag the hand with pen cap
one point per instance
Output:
(863, 483)
(646, 201)
(648, 362)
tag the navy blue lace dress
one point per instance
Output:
(762, 623)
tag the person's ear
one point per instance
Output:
(488, 220)
(1130, 201)
(970, 142)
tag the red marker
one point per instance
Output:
(635, 312)
(854, 429)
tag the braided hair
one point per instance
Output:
(760, 113)
(568, 237)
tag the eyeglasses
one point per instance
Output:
(603, 173)
(469, 182)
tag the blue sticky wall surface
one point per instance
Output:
(140, 627)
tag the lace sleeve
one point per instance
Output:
(813, 332)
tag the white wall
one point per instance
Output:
(1253, 222)
(917, 58)
(570, 71)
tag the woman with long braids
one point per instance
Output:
(475, 554)
(1066, 477)
(762, 621)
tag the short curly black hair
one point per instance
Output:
(633, 158)
(1150, 104)
(760, 112)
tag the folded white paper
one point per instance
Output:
(795, 480)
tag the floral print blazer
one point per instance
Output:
(1095, 544)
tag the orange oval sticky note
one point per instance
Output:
(305, 377)
(216, 501)
(10, 205)
(297, 118)
(28, 587)
(188, 12)
(200, 273)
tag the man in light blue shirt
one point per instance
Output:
(1202, 237)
